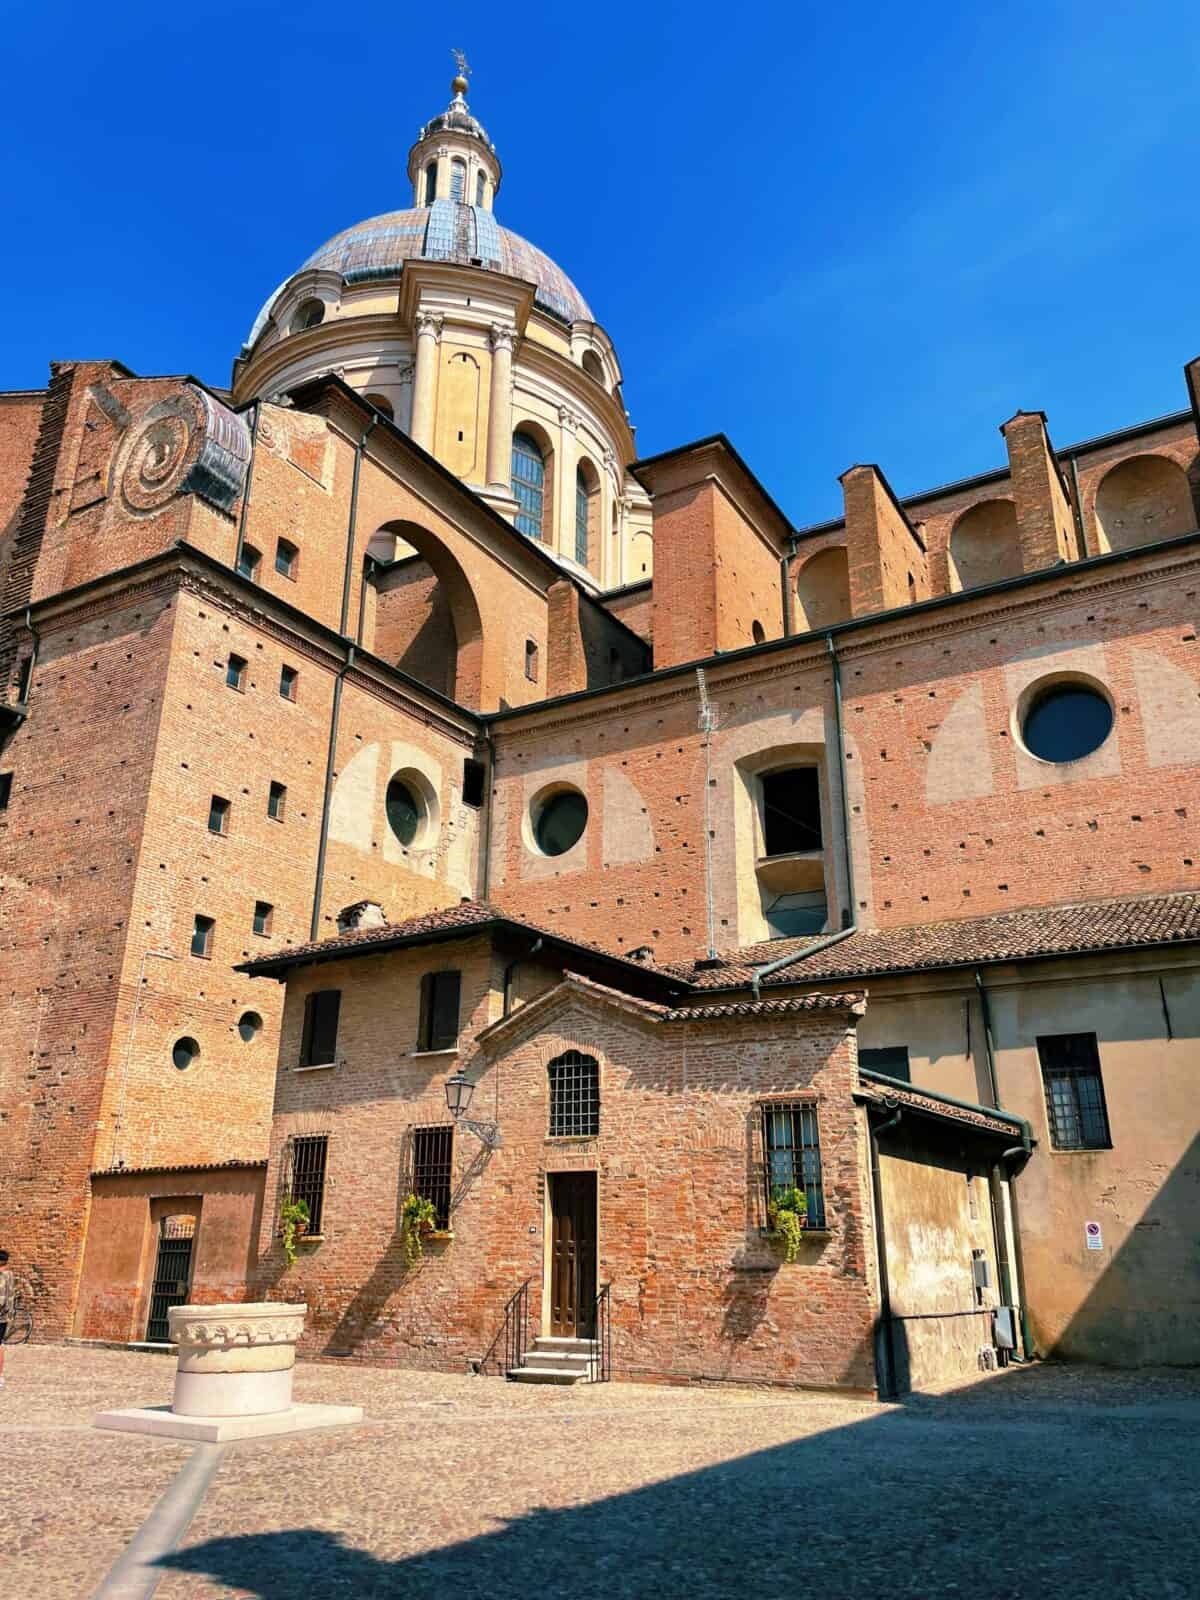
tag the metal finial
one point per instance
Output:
(464, 72)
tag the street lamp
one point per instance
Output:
(458, 1102)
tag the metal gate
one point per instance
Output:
(172, 1274)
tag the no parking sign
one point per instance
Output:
(1093, 1235)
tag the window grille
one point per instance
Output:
(433, 1169)
(529, 484)
(574, 1096)
(890, 1059)
(318, 1045)
(440, 996)
(1075, 1105)
(581, 517)
(309, 1154)
(792, 1155)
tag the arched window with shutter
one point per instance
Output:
(529, 484)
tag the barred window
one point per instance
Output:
(309, 1153)
(433, 1169)
(1075, 1106)
(574, 1096)
(792, 1155)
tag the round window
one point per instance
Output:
(1066, 722)
(404, 810)
(249, 1025)
(561, 819)
(185, 1053)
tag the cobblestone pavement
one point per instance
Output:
(1051, 1482)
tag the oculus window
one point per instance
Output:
(404, 810)
(559, 822)
(1066, 722)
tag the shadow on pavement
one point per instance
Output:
(1064, 1499)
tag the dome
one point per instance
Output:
(448, 230)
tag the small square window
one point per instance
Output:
(890, 1059)
(289, 677)
(277, 801)
(6, 779)
(202, 936)
(235, 672)
(247, 562)
(218, 815)
(287, 558)
(473, 776)
(531, 660)
(262, 917)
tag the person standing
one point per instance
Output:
(7, 1289)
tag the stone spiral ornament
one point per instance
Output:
(188, 443)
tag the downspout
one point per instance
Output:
(706, 722)
(1021, 1152)
(368, 573)
(241, 538)
(1077, 508)
(785, 585)
(322, 848)
(358, 455)
(849, 914)
(887, 1389)
(485, 842)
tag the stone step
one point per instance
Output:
(536, 1375)
(571, 1347)
(551, 1361)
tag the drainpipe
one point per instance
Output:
(358, 455)
(707, 721)
(1077, 508)
(335, 715)
(785, 585)
(849, 914)
(887, 1389)
(485, 843)
(368, 572)
(241, 538)
(1021, 1152)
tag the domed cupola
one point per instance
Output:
(453, 158)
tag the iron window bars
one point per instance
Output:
(574, 1096)
(1075, 1105)
(309, 1154)
(792, 1155)
(433, 1169)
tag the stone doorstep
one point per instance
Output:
(162, 1421)
(556, 1360)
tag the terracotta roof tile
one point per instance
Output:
(1007, 936)
(854, 1001)
(976, 1116)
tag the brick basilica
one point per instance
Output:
(650, 938)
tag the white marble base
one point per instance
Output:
(232, 1394)
(166, 1423)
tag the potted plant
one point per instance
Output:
(293, 1225)
(788, 1216)
(417, 1217)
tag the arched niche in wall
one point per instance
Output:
(1141, 500)
(985, 545)
(823, 590)
(641, 558)
(425, 618)
(594, 367)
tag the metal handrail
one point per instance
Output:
(601, 1356)
(513, 1330)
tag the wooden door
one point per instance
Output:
(573, 1254)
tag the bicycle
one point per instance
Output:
(20, 1314)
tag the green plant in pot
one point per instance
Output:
(293, 1225)
(788, 1216)
(417, 1217)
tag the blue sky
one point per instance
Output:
(866, 234)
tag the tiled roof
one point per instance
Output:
(187, 1166)
(854, 1001)
(965, 941)
(870, 1088)
(469, 916)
